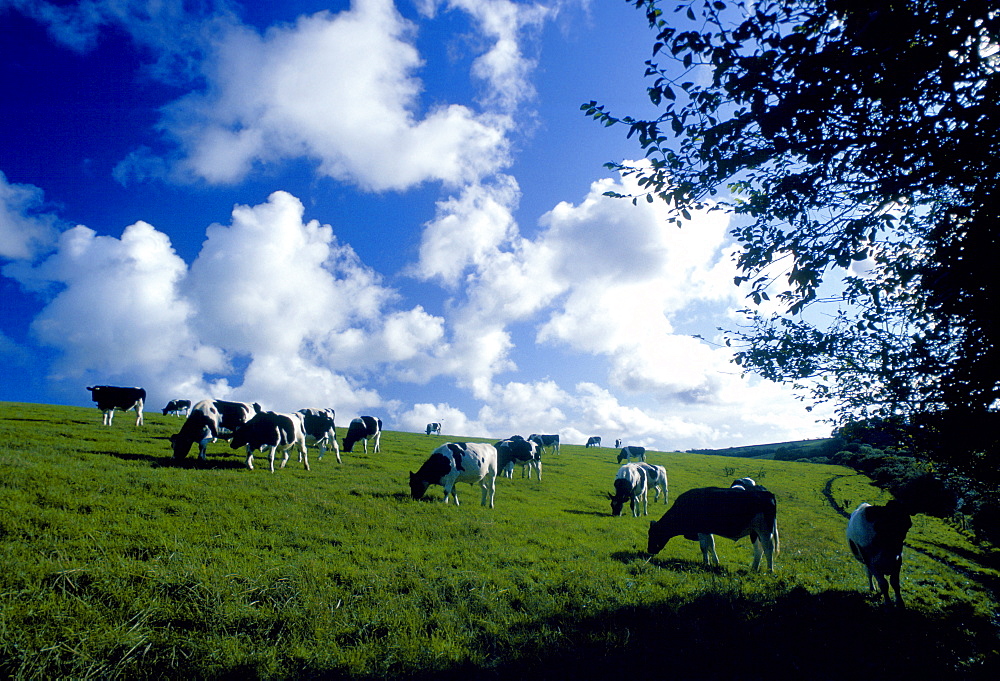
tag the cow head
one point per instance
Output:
(616, 505)
(180, 445)
(621, 495)
(417, 486)
(658, 538)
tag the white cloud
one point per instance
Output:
(468, 231)
(339, 89)
(25, 232)
(629, 278)
(502, 64)
(118, 310)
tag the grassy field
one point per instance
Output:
(118, 562)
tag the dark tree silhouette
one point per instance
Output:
(858, 147)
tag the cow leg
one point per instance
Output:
(538, 469)
(489, 485)
(378, 436)
(249, 458)
(894, 580)
(883, 585)
(708, 554)
(303, 453)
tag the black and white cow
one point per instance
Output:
(875, 535)
(728, 512)
(449, 464)
(516, 450)
(632, 483)
(594, 441)
(546, 441)
(201, 426)
(632, 451)
(618, 443)
(232, 415)
(109, 398)
(707, 541)
(630, 486)
(433, 428)
(320, 428)
(275, 431)
(362, 429)
(177, 407)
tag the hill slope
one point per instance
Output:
(120, 562)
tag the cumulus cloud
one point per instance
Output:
(340, 89)
(629, 278)
(118, 310)
(271, 299)
(25, 231)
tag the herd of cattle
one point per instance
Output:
(875, 534)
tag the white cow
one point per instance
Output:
(875, 535)
(320, 428)
(473, 462)
(268, 429)
(632, 484)
(517, 450)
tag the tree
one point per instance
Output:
(858, 147)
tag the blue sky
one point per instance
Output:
(387, 208)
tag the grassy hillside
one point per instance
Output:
(119, 562)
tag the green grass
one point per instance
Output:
(119, 562)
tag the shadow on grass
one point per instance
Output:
(212, 464)
(596, 514)
(798, 635)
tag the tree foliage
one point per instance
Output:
(858, 147)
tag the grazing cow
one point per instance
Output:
(319, 428)
(875, 535)
(109, 398)
(201, 426)
(594, 441)
(473, 462)
(543, 441)
(514, 450)
(434, 428)
(632, 483)
(618, 443)
(268, 429)
(656, 479)
(707, 541)
(632, 450)
(362, 429)
(176, 407)
(727, 512)
(232, 415)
